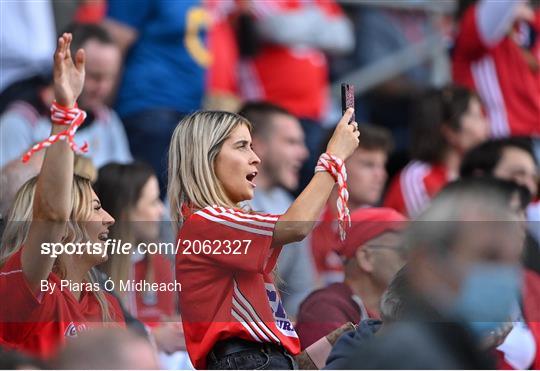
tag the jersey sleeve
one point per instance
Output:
(221, 75)
(230, 238)
(468, 43)
(394, 196)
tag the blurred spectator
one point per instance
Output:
(447, 123)
(281, 50)
(278, 140)
(366, 177)
(107, 349)
(24, 24)
(164, 65)
(463, 282)
(13, 360)
(27, 122)
(497, 53)
(510, 159)
(131, 194)
(14, 174)
(391, 309)
(372, 254)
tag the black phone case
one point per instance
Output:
(347, 99)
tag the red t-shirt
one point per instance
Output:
(412, 189)
(293, 77)
(531, 304)
(224, 265)
(153, 307)
(509, 88)
(39, 322)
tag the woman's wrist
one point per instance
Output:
(336, 154)
(66, 103)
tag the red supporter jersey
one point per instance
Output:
(508, 86)
(152, 307)
(39, 322)
(531, 304)
(293, 77)
(412, 189)
(224, 264)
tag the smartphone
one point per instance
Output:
(347, 99)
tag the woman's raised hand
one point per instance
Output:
(345, 138)
(68, 75)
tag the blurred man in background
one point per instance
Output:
(26, 122)
(464, 280)
(373, 253)
(366, 177)
(165, 57)
(278, 140)
(511, 159)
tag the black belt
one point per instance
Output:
(230, 346)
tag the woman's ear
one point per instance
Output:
(364, 259)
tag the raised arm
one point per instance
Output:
(495, 18)
(301, 216)
(52, 202)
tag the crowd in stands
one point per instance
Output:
(409, 239)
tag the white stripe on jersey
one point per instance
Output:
(241, 227)
(246, 326)
(225, 213)
(413, 188)
(250, 85)
(263, 217)
(10, 272)
(253, 312)
(487, 84)
(248, 319)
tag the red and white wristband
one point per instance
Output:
(60, 115)
(336, 167)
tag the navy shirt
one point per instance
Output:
(165, 66)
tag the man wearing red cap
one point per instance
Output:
(372, 255)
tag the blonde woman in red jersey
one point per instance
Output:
(57, 207)
(232, 314)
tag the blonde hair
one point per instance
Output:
(20, 218)
(195, 144)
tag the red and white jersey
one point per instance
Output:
(39, 322)
(508, 86)
(268, 75)
(224, 264)
(152, 307)
(412, 189)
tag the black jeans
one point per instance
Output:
(239, 354)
